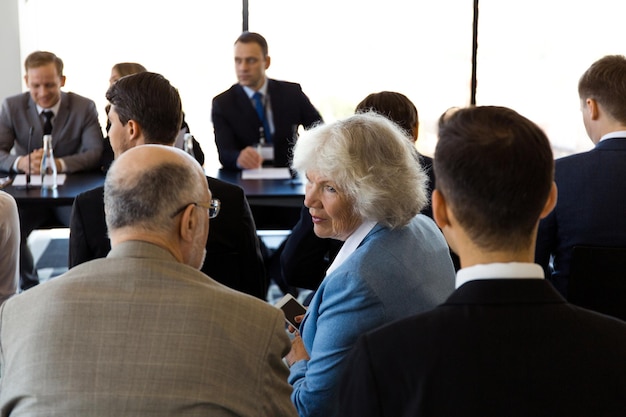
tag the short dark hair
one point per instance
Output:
(150, 100)
(128, 68)
(394, 106)
(253, 37)
(605, 82)
(495, 168)
(41, 58)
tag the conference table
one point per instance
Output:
(261, 193)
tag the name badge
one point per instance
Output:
(266, 151)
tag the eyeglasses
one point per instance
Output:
(212, 206)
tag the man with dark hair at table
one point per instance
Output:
(146, 108)
(25, 118)
(592, 185)
(505, 342)
(143, 332)
(256, 123)
(258, 111)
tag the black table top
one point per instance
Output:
(63, 195)
(280, 192)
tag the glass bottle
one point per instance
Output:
(188, 144)
(48, 165)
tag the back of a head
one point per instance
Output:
(149, 99)
(605, 82)
(146, 184)
(395, 106)
(495, 168)
(253, 37)
(371, 161)
(128, 68)
(40, 58)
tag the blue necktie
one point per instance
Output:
(260, 110)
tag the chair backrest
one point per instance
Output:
(597, 279)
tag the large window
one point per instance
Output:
(530, 54)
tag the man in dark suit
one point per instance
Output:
(233, 254)
(505, 343)
(592, 185)
(239, 128)
(72, 120)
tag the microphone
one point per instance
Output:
(30, 138)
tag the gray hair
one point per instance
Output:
(148, 200)
(372, 162)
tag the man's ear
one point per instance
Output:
(592, 108)
(440, 209)
(268, 61)
(134, 131)
(550, 202)
(62, 80)
(188, 223)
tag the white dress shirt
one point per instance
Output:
(514, 270)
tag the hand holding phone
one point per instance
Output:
(291, 308)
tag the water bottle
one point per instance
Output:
(48, 165)
(188, 144)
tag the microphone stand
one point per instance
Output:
(30, 138)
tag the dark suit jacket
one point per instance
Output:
(591, 207)
(233, 254)
(510, 347)
(76, 132)
(236, 123)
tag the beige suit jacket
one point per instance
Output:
(139, 334)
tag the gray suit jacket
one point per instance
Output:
(76, 133)
(139, 334)
(10, 244)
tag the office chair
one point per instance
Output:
(598, 280)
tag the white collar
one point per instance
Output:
(499, 271)
(617, 134)
(54, 109)
(351, 243)
(250, 92)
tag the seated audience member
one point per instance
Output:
(25, 118)
(9, 247)
(143, 332)
(305, 257)
(365, 189)
(505, 342)
(123, 69)
(592, 185)
(145, 108)
(258, 111)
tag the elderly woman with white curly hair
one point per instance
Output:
(365, 188)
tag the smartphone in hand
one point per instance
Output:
(292, 308)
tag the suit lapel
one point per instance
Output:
(61, 118)
(245, 105)
(34, 120)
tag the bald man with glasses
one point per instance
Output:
(143, 332)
